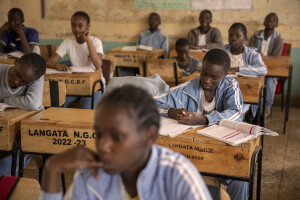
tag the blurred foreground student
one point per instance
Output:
(127, 165)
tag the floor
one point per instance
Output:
(281, 159)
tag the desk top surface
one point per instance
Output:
(14, 115)
(7, 60)
(119, 50)
(76, 75)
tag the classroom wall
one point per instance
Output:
(116, 22)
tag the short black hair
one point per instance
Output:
(218, 57)
(83, 14)
(140, 105)
(17, 11)
(181, 42)
(270, 14)
(155, 14)
(36, 61)
(239, 25)
(204, 11)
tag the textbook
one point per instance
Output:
(171, 128)
(199, 50)
(16, 54)
(235, 133)
(4, 106)
(74, 69)
(238, 74)
(136, 48)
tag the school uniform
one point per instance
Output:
(12, 41)
(79, 56)
(189, 68)
(167, 175)
(29, 97)
(213, 38)
(270, 47)
(156, 40)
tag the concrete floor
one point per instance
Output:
(281, 159)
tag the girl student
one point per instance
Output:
(127, 165)
(83, 50)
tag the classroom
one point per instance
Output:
(155, 74)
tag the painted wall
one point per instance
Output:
(116, 22)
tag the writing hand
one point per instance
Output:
(192, 118)
(233, 70)
(61, 67)
(174, 113)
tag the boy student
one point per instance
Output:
(152, 35)
(185, 61)
(205, 36)
(83, 50)
(127, 165)
(22, 86)
(14, 36)
(268, 43)
(207, 100)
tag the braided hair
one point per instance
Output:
(140, 105)
(36, 61)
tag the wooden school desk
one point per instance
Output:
(196, 54)
(10, 123)
(215, 158)
(280, 67)
(7, 60)
(131, 58)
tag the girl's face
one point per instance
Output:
(121, 147)
(21, 75)
(236, 38)
(79, 26)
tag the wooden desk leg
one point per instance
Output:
(21, 163)
(16, 146)
(288, 96)
(117, 71)
(259, 169)
(93, 91)
(254, 158)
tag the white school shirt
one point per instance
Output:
(205, 107)
(265, 46)
(236, 60)
(201, 40)
(79, 53)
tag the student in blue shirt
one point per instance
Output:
(17, 37)
(152, 35)
(127, 165)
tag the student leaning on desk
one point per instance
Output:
(207, 100)
(21, 86)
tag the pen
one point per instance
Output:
(181, 103)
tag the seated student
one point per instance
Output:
(127, 165)
(83, 50)
(207, 100)
(22, 86)
(268, 43)
(14, 36)
(186, 62)
(205, 36)
(152, 35)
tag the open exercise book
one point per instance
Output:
(135, 48)
(16, 54)
(73, 69)
(236, 74)
(235, 133)
(170, 127)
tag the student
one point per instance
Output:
(127, 164)
(205, 36)
(83, 50)
(17, 37)
(22, 86)
(268, 43)
(152, 35)
(186, 62)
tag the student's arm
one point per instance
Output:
(232, 102)
(32, 99)
(257, 66)
(278, 46)
(24, 44)
(3, 28)
(53, 63)
(191, 37)
(252, 41)
(216, 40)
(165, 46)
(139, 40)
(96, 58)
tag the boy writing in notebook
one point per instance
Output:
(268, 43)
(17, 37)
(21, 86)
(186, 62)
(205, 36)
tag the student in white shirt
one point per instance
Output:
(84, 50)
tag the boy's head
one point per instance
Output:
(205, 18)
(80, 23)
(237, 35)
(271, 21)
(15, 17)
(182, 47)
(126, 125)
(215, 67)
(27, 69)
(154, 21)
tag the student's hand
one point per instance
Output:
(5, 27)
(175, 113)
(77, 157)
(61, 67)
(192, 118)
(233, 70)
(86, 36)
(19, 29)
